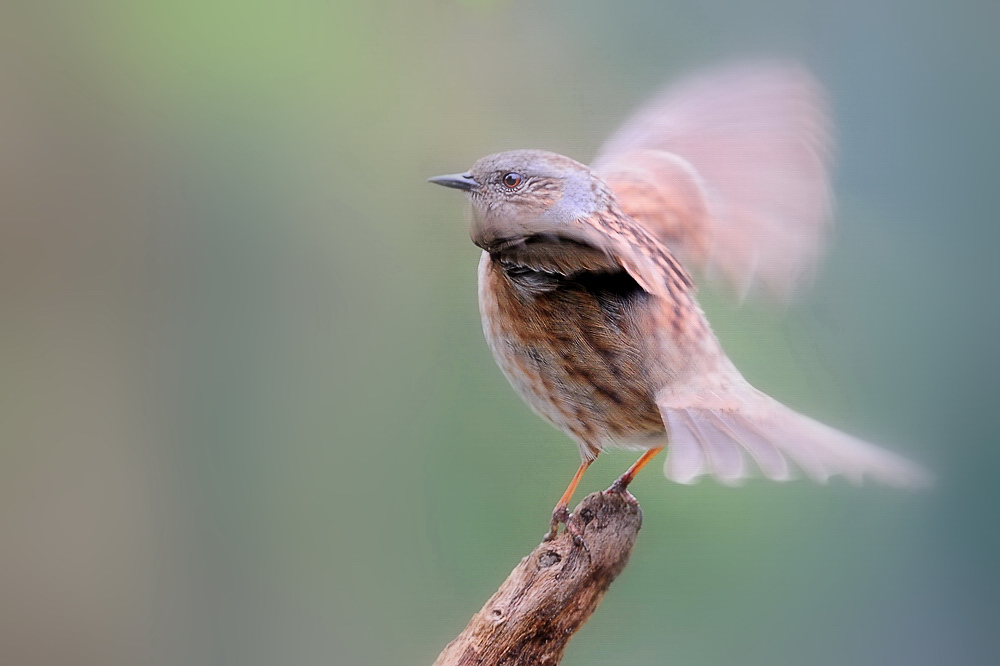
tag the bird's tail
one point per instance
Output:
(723, 440)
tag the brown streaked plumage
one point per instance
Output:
(593, 319)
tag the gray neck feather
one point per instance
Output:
(577, 201)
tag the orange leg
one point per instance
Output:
(621, 485)
(561, 513)
(571, 488)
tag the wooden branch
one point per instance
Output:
(553, 591)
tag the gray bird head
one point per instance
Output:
(526, 193)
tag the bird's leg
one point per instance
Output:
(620, 485)
(561, 513)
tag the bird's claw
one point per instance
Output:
(577, 535)
(620, 487)
(559, 515)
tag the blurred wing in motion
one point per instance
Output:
(723, 439)
(729, 168)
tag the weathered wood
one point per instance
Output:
(553, 591)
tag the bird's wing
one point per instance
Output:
(636, 249)
(716, 421)
(729, 168)
(721, 434)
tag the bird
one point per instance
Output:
(586, 292)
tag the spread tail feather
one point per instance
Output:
(723, 440)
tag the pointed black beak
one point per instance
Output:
(460, 181)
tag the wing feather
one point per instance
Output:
(685, 458)
(723, 452)
(773, 435)
(767, 456)
(729, 168)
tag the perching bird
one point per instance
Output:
(591, 314)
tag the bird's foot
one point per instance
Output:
(576, 531)
(559, 515)
(620, 487)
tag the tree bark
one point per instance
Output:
(553, 591)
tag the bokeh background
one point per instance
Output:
(247, 415)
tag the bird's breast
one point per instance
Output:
(573, 348)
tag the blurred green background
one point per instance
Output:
(247, 415)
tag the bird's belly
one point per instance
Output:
(574, 355)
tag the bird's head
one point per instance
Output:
(523, 194)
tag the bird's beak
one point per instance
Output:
(460, 181)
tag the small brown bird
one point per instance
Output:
(591, 315)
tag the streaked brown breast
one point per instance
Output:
(573, 350)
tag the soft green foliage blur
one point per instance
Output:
(247, 415)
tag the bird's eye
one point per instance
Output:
(512, 180)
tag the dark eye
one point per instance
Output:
(512, 180)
